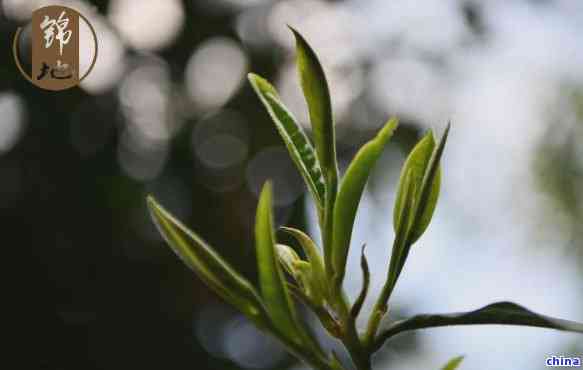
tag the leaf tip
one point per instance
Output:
(267, 187)
(153, 207)
(446, 131)
(265, 197)
(257, 82)
(389, 128)
(251, 76)
(431, 135)
(393, 122)
(150, 200)
(286, 230)
(293, 30)
(301, 42)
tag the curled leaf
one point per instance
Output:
(401, 248)
(294, 138)
(319, 286)
(349, 195)
(416, 166)
(300, 270)
(207, 264)
(357, 306)
(416, 200)
(304, 276)
(429, 191)
(287, 257)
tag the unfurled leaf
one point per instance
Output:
(349, 196)
(294, 138)
(319, 287)
(416, 165)
(454, 363)
(317, 96)
(501, 313)
(273, 286)
(207, 264)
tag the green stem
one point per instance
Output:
(350, 338)
(379, 311)
(377, 315)
(328, 229)
(381, 306)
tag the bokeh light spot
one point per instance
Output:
(111, 60)
(215, 72)
(12, 111)
(247, 346)
(149, 25)
(220, 146)
(274, 164)
(222, 151)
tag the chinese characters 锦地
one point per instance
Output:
(56, 29)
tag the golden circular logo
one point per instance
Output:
(57, 49)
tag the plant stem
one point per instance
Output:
(350, 338)
(381, 305)
(328, 227)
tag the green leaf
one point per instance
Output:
(294, 138)
(349, 196)
(311, 250)
(304, 276)
(416, 166)
(300, 270)
(315, 87)
(207, 264)
(500, 313)
(400, 249)
(319, 287)
(272, 283)
(287, 257)
(404, 204)
(429, 192)
(454, 363)
(416, 201)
